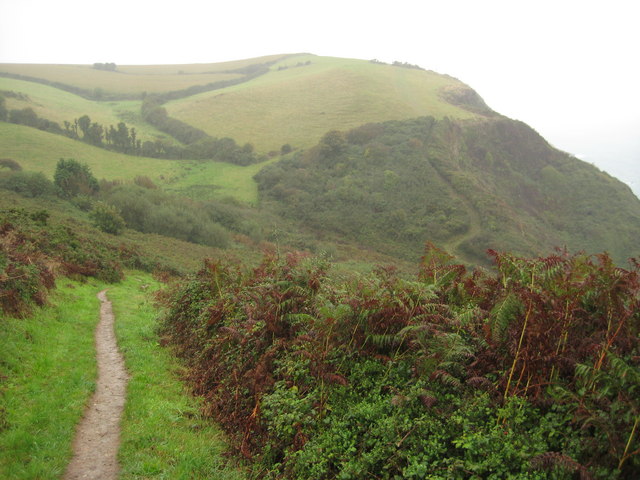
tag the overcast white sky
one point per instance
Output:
(568, 68)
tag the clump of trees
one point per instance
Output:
(120, 138)
(109, 67)
(74, 178)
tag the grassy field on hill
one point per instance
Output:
(297, 103)
(135, 79)
(40, 151)
(86, 77)
(49, 360)
(60, 106)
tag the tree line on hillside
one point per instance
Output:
(124, 139)
(109, 67)
(100, 94)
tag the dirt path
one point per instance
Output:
(98, 436)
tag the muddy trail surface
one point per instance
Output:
(97, 439)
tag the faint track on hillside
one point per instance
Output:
(98, 436)
(475, 226)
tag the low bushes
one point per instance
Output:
(530, 370)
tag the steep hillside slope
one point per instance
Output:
(304, 96)
(469, 185)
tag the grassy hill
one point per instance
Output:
(39, 151)
(134, 79)
(305, 96)
(60, 106)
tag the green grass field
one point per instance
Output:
(88, 78)
(60, 106)
(135, 79)
(206, 180)
(47, 373)
(299, 104)
(40, 151)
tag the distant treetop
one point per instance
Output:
(111, 67)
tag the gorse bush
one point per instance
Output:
(530, 370)
(74, 178)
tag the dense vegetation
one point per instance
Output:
(474, 185)
(33, 252)
(529, 370)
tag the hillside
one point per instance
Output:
(133, 80)
(468, 185)
(305, 96)
(414, 156)
(284, 202)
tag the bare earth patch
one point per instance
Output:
(98, 437)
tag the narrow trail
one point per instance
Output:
(98, 436)
(475, 226)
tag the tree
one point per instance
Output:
(74, 178)
(26, 116)
(333, 143)
(84, 122)
(3, 110)
(94, 134)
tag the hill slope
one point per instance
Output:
(470, 185)
(305, 96)
(133, 80)
(463, 177)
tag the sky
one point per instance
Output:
(567, 68)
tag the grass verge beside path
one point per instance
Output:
(163, 435)
(47, 374)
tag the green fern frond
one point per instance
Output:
(502, 315)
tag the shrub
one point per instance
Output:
(531, 370)
(28, 184)
(74, 178)
(10, 164)
(107, 218)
